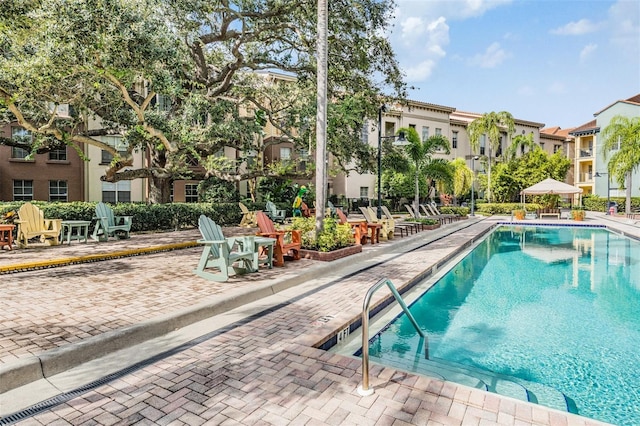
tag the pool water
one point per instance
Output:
(559, 306)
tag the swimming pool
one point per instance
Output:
(551, 308)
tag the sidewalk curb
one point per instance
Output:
(32, 266)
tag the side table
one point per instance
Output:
(75, 230)
(267, 244)
(6, 236)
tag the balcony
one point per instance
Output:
(585, 177)
(584, 153)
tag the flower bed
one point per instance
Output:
(328, 256)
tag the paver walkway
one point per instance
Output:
(260, 370)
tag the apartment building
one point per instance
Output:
(54, 176)
(591, 163)
(428, 120)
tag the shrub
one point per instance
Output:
(334, 235)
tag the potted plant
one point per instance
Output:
(519, 214)
(577, 213)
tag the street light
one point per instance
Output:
(473, 178)
(400, 141)
(606, 210)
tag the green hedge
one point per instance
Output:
(489, 209)
(598, 204)
(146, 217)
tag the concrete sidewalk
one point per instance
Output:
(86, 311)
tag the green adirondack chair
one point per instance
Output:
(219, 253)
(275, 214)
(108, 225)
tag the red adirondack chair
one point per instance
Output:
(282, 247)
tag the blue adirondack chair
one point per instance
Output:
(275, 214)
(219, 253)
(108, 225)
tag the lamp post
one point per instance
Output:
(473, 170)
(598, 174)
(401, 141)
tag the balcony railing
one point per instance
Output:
(586, 153)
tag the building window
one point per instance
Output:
(499, 151)
(191, 193)
(438, 131)
(285, 153)
(389, 129)
(117, 143)
(364, 135)
(483, 142)
(364, 192)
(163, 103)
(58, 155)
(116, 192)
(22, 190)
(542, 145)
(19, 134)
(412, 126)
(425, 133)
(556, 148)
(58, 190)
(454, 140)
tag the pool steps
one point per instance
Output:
(492, 382)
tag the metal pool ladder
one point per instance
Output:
(364, 389)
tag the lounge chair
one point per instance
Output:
(288, 242)
(31, 224)
(408, 226)
(412, 213)
(402, 229)
(386, 231)
(434, 210)
(430, 214)
(231, 256)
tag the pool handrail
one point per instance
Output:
(364, 389)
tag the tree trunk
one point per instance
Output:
(160, 190)
(159, 185)
(627, 204)
(321, 119)
(489, 176)
(416, 201)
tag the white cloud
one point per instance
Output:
(412, 27)
(583, 26)
(587, 51)
(422, 41)
(420, 72)
(491, 58)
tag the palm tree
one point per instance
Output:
(462, 177)
(420, 154)
(520, 142)
(622, 135)
(491, 124)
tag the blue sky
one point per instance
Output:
(553, 62)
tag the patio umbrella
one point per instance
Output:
(550, 186)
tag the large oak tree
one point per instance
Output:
(109, 59)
